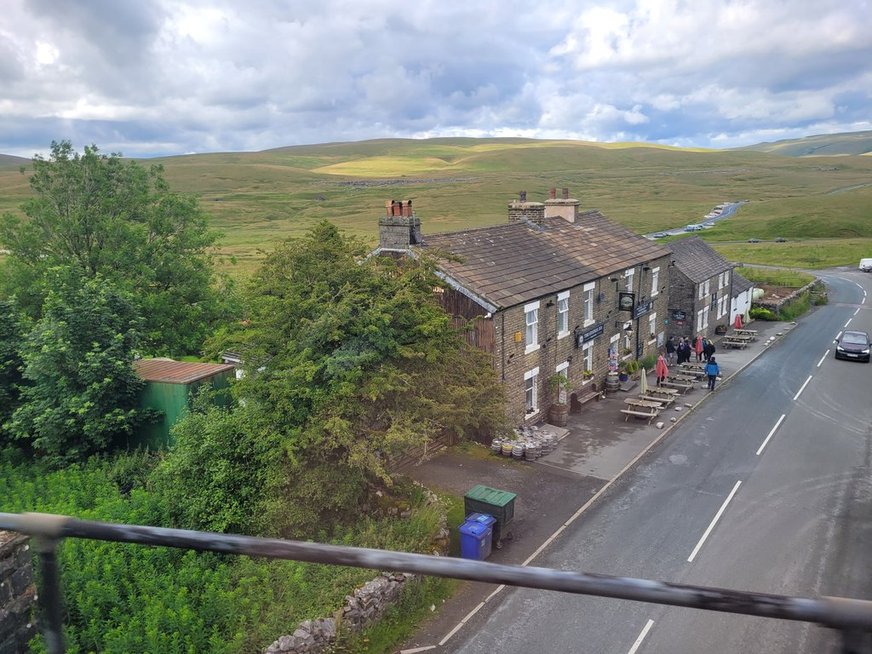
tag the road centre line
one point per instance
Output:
(801, 389)
(713, 522)
(857, 311)
(847, 323)
(772, 431)
(838, 336)
(641, 637)
(823, 358)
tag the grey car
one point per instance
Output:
(853, 345)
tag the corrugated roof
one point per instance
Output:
(697, 260)
(517, 262)
(177, 372)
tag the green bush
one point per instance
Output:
(796, 307)
(648, 362)
(761, 313)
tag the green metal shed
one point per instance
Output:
(169, 388)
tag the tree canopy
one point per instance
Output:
(350, 360)
(79, 388)
(103, 215)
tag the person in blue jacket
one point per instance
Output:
(712, 370)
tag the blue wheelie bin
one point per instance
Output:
(476, 536)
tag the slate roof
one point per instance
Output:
(740, 284)
(697, 260)
(514, 263)
(177, 372)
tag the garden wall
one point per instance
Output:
(17, 593)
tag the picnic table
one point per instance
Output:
(734, 343)
(745, 332)
(662, 390)
(680, 384)
(663, 400)
(641, 409)
(695, 373)
(688, 365)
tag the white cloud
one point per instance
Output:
(166, 76)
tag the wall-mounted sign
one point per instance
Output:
(678, 314)
(642, 308)
(588, 334)
(626, 301)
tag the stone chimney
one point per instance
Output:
(399, 228)
(521, 210)
(564, 207)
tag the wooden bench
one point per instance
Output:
(678, 385)
(734, 344)
(750, 333)
(663, 400)
(639, 414)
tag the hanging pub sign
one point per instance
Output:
(588, 334)
(642, 308)
(678, 314)
(626, 301)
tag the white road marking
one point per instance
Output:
(415, 650)
(857, 311)
(838, 336)
(777, 425)
(826, 354)
(847, 323)
(802, 388)
(641, 637)
(713, 523)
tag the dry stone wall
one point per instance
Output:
(17, 593)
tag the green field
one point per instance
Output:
(821, 205)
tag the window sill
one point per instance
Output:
(531, 414)
(588, 323)
(562, 335)
(531, 348)
(585, 382)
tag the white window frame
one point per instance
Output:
(531, 392)
(652, 327)
(563, 314)
(727, 278)
(531, 329)
(655, 281)
(628, 277)
(562, 368)
(702, 322)
(588, 290)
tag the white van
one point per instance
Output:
(866, 265)
(693, 228)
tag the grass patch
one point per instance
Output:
(810, 254)
(776, 277)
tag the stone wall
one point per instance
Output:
(363, 607)
(17, 593)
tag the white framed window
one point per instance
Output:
(588, 291)
(563, 314)
(587, 359)
(727, 278)
(652, 326)
(531, 390)
(704, 289)
(628, 278)
(655, 282)
(562, 369)
(531, 319)
(722, 306)
(702, 319)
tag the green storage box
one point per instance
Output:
(498, 503)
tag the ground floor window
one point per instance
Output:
(562, 369)
(531, 390)
(587, 360)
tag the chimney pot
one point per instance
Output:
(552, 193)
(565, 193)
(523, 196)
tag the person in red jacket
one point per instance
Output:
(697, 347)
(661, 370)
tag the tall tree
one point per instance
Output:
(103, 215)
(351, 360)
(81, 391)
(11, 337)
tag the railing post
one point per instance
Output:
(50, 602)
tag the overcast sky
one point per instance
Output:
(149, 77)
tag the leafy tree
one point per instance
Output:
(11, 336)
(349, 361)
(82, 389)
(102, 215)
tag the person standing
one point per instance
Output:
(697, 347)
(709, 349)
(712, 370)
(670, 350)
(661, 370)
(683, 351)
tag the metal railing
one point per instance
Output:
(851, 617)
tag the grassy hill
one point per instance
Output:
(258, 198)
(852, 143)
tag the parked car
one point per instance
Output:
(781, 239)
(693, 228)
(853, 345)
(866, 265)
(753, 240)
(660, 235)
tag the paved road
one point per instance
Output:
(797, 521)
(729, 209)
